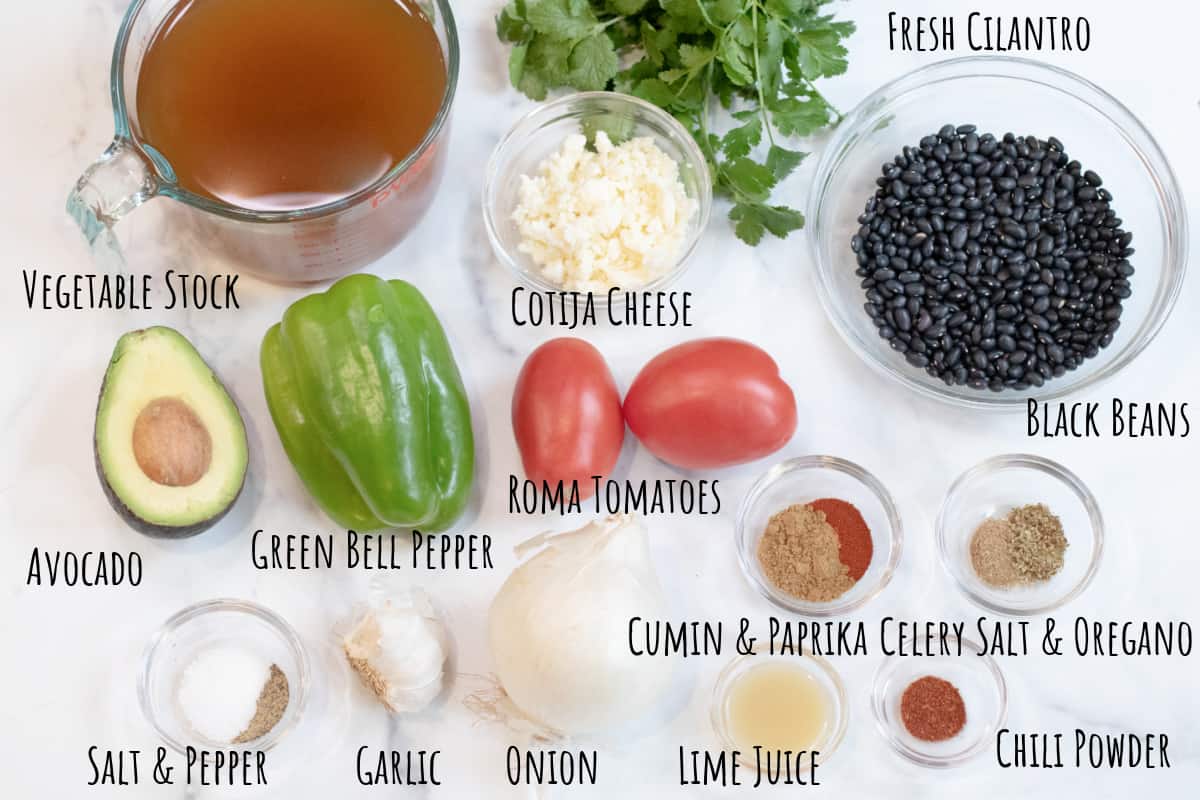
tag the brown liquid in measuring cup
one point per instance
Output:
(285, 104)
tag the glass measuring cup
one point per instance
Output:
(295, 246)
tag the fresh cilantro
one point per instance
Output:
(782, 161)
(593, 62)
(738, 142)
(617, 127)
(758, 58)
(565, 20)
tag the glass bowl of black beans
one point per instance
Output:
(988, 230)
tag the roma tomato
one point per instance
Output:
(711, 403)
(566, 414)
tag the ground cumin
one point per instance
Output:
(798, 553)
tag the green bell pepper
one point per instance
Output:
(366, 397)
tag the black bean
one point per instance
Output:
(917, 360)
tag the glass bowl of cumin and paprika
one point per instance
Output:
(1020, 534)
(818, 536)
(943, 708)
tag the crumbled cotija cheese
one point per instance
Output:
(617, 216)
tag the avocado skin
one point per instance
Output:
(131, 519)
(149, 528)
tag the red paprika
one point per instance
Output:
(855, 546)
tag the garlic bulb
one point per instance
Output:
(396, 649)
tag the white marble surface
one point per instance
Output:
(70, 655)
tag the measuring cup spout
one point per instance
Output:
(118, 182)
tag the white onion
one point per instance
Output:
(558, 629)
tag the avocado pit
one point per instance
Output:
(170, 443)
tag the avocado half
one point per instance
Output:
(170, 443)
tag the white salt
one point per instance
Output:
(219, 691)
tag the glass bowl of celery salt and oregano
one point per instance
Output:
(1020, 534)
(224, 673)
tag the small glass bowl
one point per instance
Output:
(540, 133)
(977, 678)
(815, 666)
(214, 623)
(992, 489)
(802, 480)
(1000, 94)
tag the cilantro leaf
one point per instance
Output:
(771, 40)
(737, 59)
(561, 19)
(650, 43)
(593, 63)
(516, 63)
(655, 91)
(752, 220)
(627, 8)
(821, 54)
(686, 16)
(780, 220)
(749, 179)
(618, 127)
(738, 142)
(548, 59)
(724, 12)
(693, 57)
(788, 8)
(511, 25)
(800, 116)
(747, 225)
(782, 162)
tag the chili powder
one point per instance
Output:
(855, 546)
(932, 709)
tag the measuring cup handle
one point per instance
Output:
(118, 182)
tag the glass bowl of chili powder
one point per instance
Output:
(954, 721)
(858, 507)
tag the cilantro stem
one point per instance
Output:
(838, 114)
(720, 179)
(758, 81)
